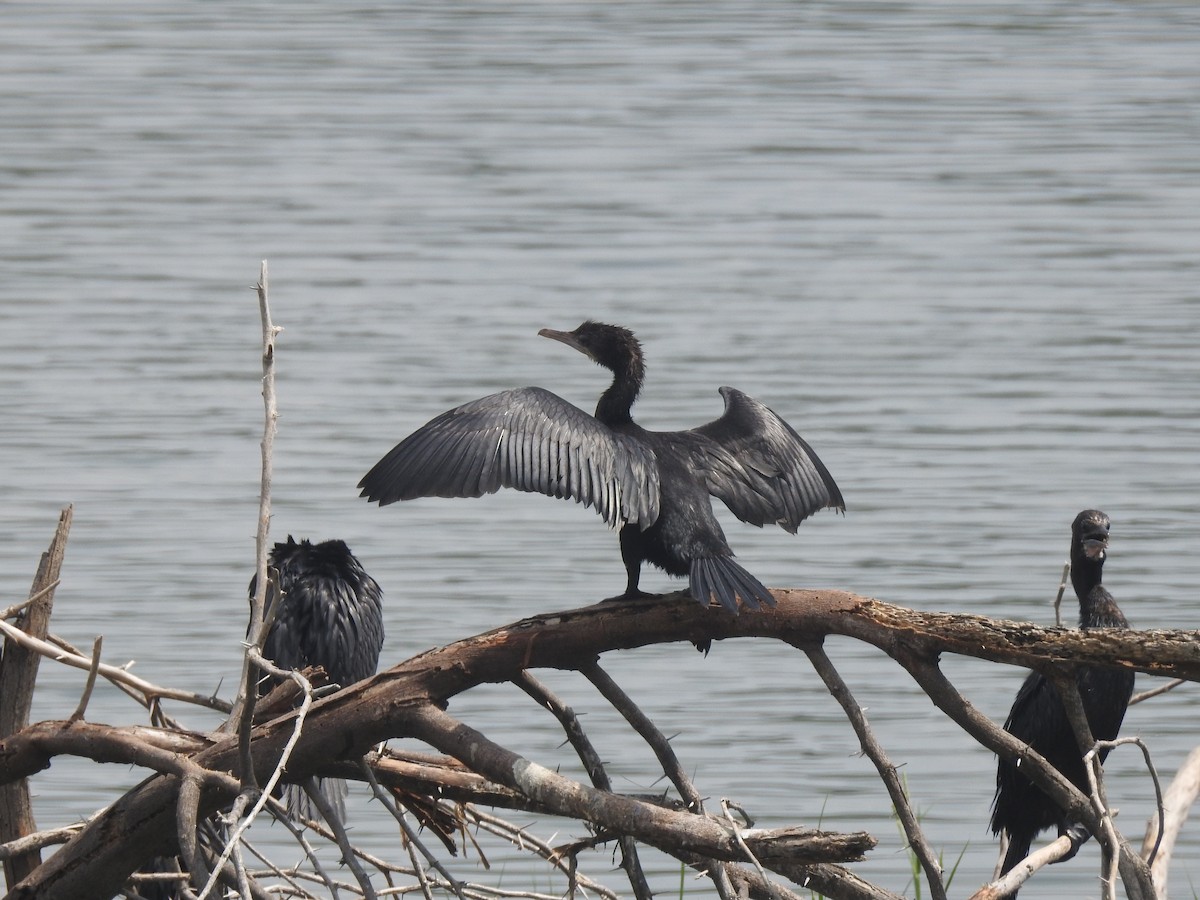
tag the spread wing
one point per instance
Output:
(763, 471)
(528, 439)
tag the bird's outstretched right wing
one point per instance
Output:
(528, 439)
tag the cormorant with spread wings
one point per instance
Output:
(655, 486)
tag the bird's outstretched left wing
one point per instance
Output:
(763, 471)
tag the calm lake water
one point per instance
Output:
(956, 245)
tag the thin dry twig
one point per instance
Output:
(520, 838)
(1154, 692)
(18, 608)
(1108, 830)
(1062, 587)
(91, 680)
(112, 673)
(279, 811)
(727, 807)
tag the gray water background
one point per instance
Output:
(954, 244)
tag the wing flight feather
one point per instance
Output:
(528, 439)
(760, 467)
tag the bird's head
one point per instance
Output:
(611, 346)
(1089, 532)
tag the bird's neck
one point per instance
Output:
(615, 403)
(1096, 606)
(1085, 574)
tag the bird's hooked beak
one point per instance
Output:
(1095, 544)
(567, 338)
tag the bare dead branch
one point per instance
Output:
(334, 821)
(1154, 692)
(112, 673)
(593, 765)
(1077, 807)
(665, 753)
(38, 840)
(659, 827)
(1056, 850)
(887, 772)
(410, 833)
(187, 817)
(11, 612)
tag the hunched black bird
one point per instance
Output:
(654, 485)
(1020, 809)
(330, 615)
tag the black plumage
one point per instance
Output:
(1038, 718)
(654, 485)
(330, 614)
(330, 611)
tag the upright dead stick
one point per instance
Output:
(18, 675)
(243, 713)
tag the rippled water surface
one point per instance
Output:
(954, 244)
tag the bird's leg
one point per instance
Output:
(632, 557)
(1078, 835)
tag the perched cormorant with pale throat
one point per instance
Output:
(654, 485)
(330, 615)
(1038, 718)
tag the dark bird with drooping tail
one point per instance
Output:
(1021, 810)
(330, 615)
(654, 485)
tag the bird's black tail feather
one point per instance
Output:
(1018, 849)
(300, 806)
(723, 578)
